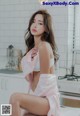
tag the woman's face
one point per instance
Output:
(37, 27)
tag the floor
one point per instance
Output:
(69, 111)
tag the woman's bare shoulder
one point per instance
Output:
(45, 45)
(44, 50)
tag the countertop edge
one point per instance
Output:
(13, 75)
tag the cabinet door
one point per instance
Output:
(3, 92)
(10, 85)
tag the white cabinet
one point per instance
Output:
(69, 92)
(10, 85)
(69, 86)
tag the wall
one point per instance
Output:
(73, 33)
(70, 38)
(77, 40)
(14, 17)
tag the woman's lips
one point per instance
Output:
(34, 30)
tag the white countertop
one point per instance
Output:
(69, 81)
(18, 75)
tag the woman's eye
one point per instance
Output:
(40, 23)
(37, 22)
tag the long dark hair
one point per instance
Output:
(47, 36)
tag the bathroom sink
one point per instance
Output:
(9, 71)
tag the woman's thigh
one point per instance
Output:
(34, 104)
(29, 114)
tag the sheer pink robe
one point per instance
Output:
(47, 85)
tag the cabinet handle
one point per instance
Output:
(59, 87)
(6, 84)
(2, 84)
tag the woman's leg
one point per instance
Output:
(29, 114)
(34, 104)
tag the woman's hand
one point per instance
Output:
(29, 77)
(34, 53)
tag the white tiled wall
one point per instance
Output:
(14, 17)
(70, 38)
(74, 60)
(77, 41)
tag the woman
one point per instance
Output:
(38, 66)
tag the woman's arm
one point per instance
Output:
(29, 77)
(27, 64)
(44, 56)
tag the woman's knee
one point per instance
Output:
(14, 98)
